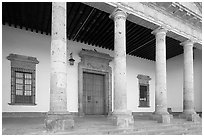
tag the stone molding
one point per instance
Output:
(148, 12)
(17, 57)
(98, 63)
(143, 77)
(23, 62)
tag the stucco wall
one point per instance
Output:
(37, 45)
(175, 82)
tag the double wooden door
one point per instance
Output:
(93, 94)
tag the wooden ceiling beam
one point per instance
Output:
(76, 22)
(92, 27)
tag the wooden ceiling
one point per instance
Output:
(87, 25)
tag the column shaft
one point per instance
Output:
(121, 116)
(58, 118)
(161, 91)
(161, 114)
(58, 79)
(120, 98)
(188, 96)
(188, 90)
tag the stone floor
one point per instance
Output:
(100, 125)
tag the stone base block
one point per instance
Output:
(59, 122)
(191, 117)
(122, 120)
(162, 118)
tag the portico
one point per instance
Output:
(113, 43)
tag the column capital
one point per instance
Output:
(118, 13)
(187, 43)
(159, 30)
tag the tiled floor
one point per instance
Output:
(100, 125)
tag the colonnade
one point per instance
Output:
(59, 118)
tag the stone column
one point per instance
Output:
(121, 116)
(161, 114)
(58, 118)
(188, 90)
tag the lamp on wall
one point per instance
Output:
(71, 60)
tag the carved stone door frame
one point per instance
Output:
(97, 63)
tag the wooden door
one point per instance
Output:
(93, 94)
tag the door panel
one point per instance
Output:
(93, 94)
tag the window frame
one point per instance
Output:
(143, 80)
(147, 95)
(22, 64)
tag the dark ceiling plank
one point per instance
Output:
(85, 17)
(47, 18)
(129, 28)
(139, 35)
(14, 13)
(147, 53)
(134, 40)
(72, 16)
(104, 32)
(18, 14)
(134, 34)
(86, 20)
(5, 18)
(41, 12)
(93, 27)
(107, 36)
(90, 22)
(32, 15)
(145, 37)
(103, 25)
(109, 44)
(83, 32)
(143, 44)
(149, 48)
(76, 22)
(107, 39)
(23, 15)
(9, 12)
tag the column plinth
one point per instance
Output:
(58, 118)
(161, 114)
(120, 116)
(188, 89)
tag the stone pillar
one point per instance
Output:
(161, 114)
(188, 90)
(121, 116)
(58, 118)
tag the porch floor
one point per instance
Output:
(100, 125)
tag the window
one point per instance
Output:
(144, 90)
(144, 96)
(23, 86)
(22, 79)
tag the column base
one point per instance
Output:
(190, 117)
(59, 121)
(122, 119)
(162, 118)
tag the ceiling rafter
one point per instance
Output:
(87, 25)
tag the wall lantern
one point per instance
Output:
(71, 60)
